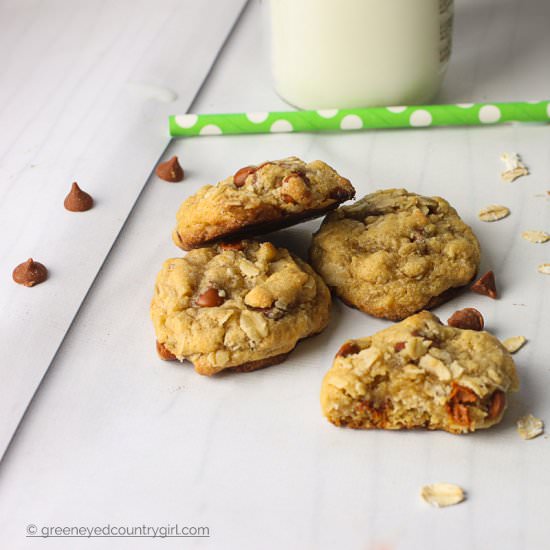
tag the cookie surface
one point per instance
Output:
(420, 373)
(394, 253)
(238, 306)
(259, 199)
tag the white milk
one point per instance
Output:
(358, 53)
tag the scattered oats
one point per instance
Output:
(493, 212)
(442, 494)
(536, 236)
(514, 343)
(544, 269)
(530, 426)
(513, 167)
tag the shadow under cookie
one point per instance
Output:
(254, 229)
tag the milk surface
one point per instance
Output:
(358, 53)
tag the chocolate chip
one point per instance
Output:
(170, 170)
(468, 318)
(486, 285)
(239, 179)
(78, 200)
(210, 298)
(164, 354)
(349, 348)
(30, 273)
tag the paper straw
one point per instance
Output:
(334, 120)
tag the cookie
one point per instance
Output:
(420, 374)
(241, 306)
(394, 253)
(259, 199)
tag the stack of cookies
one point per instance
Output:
(238, 302)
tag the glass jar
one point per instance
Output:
(359, 53)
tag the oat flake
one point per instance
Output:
(493, 212)
(514, 343)
(513, 167)
(536, 236)
(442, 494)
(530, 426)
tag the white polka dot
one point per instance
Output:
(210, 130)
(548, 110)
(257, 118)
(186, 121)
(489, 114)
(351, 122)
(281, 126)
(397, 109)
(420, 118)
(327, 113)
(465, 105)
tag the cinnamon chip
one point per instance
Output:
(170, 170)
(30, 273)
(486, 285)
(78, 200)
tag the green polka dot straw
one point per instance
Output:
(331, 120)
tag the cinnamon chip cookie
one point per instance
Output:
(420, 373)
(241, 305)
(394, 253)
(260, 199)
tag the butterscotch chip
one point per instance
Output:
(30, 273)
(514, 343)
(530, 426)
(259, 199)
(442, 494)
(78, 200)
(486, 285)
(493, 213)
(467, 318)
(420, 374)
(394, 253)
(237, 308)
(170, 170)
(536, 236)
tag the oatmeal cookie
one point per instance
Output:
(259, 199)
(394, 253)
(420, 373)
(241, 305)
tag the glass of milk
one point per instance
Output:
(359, 53)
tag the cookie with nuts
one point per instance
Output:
(241, 306)
(260, 199)
(394, 253)
(420, 373)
